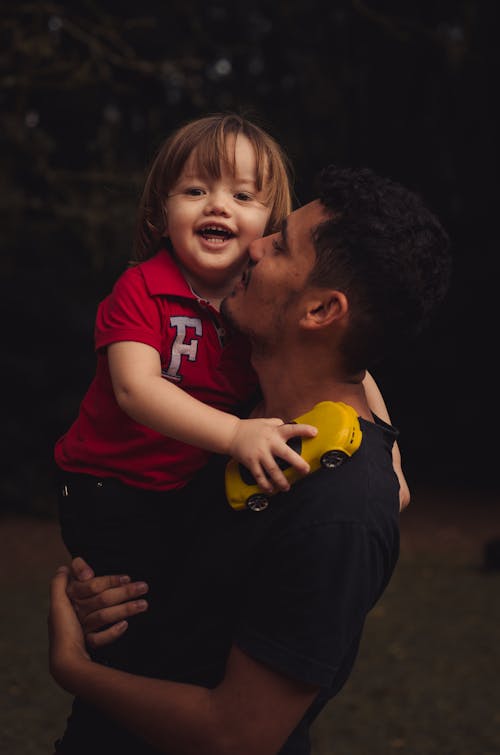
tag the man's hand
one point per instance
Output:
(66, 639)
(103, 604)
(404, 490)
(257, 442)
(404, 493)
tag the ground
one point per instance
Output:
(426, 680)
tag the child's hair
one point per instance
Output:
(208, 138)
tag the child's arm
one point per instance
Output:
(378, 407)
(148, 398)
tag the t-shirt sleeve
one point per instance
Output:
(129, 313)
(308, 600)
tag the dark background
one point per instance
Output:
(90, 90)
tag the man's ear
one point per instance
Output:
(325, 308)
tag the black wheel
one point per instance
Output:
(258, 502)
(332, 459)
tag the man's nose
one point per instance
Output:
(256, 250)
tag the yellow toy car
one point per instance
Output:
(339, 437)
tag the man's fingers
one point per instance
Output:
(80, 569)
(404, 498)
(59, 583)
(65, 632)
(105, 616)
(110, 597)
(60, 607)
(92, 587)
(107, 636)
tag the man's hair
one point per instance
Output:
(387, 252)
(207, 139)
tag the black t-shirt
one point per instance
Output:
(291, 585)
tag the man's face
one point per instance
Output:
(266, 302)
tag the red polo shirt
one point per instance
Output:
(153, 304)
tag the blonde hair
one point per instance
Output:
(207, 138)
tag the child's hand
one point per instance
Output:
(103, 601)
(257, 442)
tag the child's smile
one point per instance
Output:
(215, 233)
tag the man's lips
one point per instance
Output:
(245, 278)
(243, 282)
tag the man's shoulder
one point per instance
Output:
(361, 494)
(362, 487)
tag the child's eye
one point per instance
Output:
(243, 196)
(194, 191)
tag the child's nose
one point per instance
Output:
(217, 204)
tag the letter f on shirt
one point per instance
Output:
(181, 347)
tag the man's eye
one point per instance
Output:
(194, 191)
(277, 246)
(243, 196)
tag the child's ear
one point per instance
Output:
(324, 309)
(164, 216)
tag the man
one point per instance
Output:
(265, 610)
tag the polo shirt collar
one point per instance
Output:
(162, 275)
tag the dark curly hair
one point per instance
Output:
(387, 252)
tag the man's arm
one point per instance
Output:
(378, 407)
(251, 712)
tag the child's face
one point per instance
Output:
(211, 221)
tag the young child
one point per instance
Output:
(171, 376)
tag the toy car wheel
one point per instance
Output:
(258, 502)
(332, 459)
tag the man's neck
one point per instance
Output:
(290, 390)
